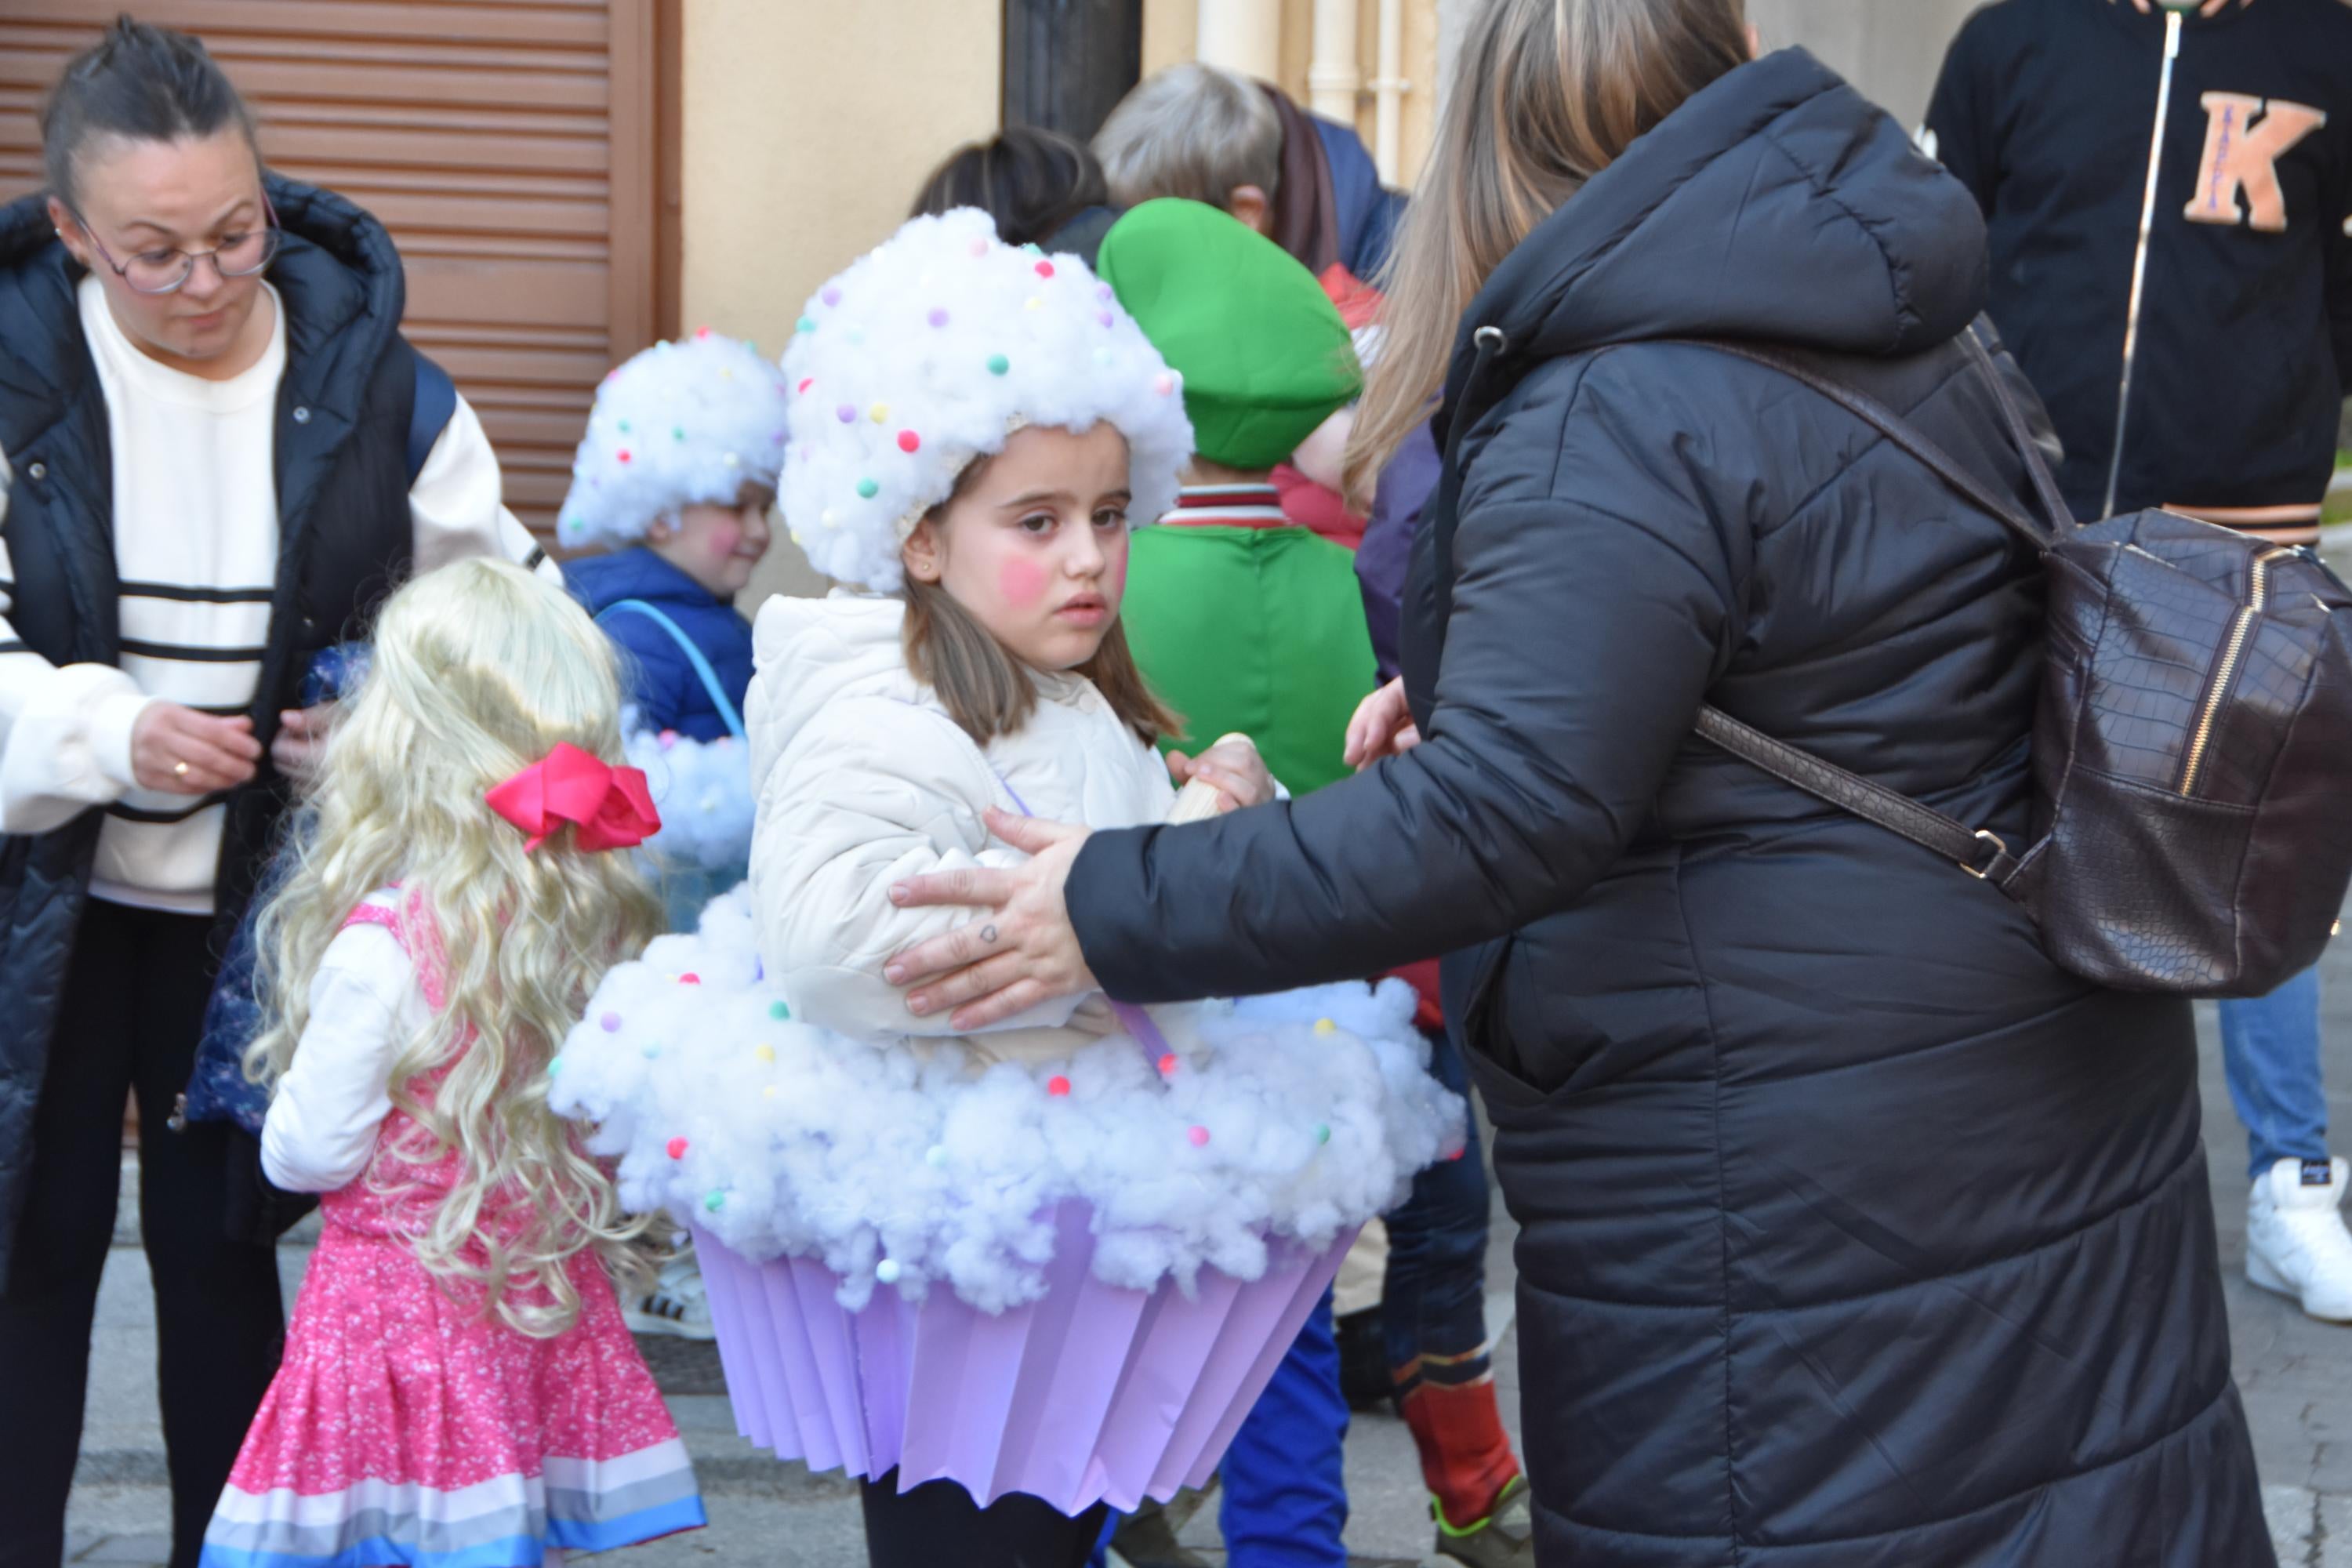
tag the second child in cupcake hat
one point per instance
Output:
(675, 477)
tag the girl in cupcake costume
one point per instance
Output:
(457, 1387)
(1010, 1277)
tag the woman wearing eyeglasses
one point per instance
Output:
(216, 452)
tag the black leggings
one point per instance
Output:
(937, 1523)
(134, 999)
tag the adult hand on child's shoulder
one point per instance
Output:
(1021, 952)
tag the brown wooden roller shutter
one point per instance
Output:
(514, 148)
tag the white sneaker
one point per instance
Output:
(678, 1305)
(2295, 1241)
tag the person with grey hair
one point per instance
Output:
(1209, 134)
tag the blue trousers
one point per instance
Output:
(2270, 1051)
(1285, 1496)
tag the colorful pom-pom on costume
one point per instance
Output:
(919, 316)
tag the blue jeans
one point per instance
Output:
(1285, 1496)
(2270, 1051)
(1433, 1295)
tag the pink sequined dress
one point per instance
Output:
(408, 1426)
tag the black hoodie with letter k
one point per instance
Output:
(2170, 201)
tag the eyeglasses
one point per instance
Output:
(164, 271)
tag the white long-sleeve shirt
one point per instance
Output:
(365, 1007)
(196, 548)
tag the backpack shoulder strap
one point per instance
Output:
(1975, 851)
(694, 656)
(428, 413)
(1912, 439)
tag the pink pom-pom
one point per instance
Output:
(702, 331)
(1199, 1137)
(1058, 1086)
(667, 738)
(621, 456)
(909, 441)
(676, 1147)
(1167, 1065)
(1045, 270)
(689, 978)
(807, 382)
(978, 246)
(1163, 384)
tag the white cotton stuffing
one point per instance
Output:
(779, 1137)
(703, 792)
(926, 354)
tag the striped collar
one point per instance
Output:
(1227, 506)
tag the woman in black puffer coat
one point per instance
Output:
(1853, 1232)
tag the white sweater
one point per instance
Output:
(862, 779)
(196, 548)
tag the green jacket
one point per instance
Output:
(1255, 628)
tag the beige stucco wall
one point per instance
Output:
(807, 125)
(1891, 50)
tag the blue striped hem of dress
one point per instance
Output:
(513, 1552)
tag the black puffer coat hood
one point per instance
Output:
(1775, 206)
(1852, 1233)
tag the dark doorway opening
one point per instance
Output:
(1069, 62)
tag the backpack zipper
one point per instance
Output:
(2140, 257)
(2242, 628)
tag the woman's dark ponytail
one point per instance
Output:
(140, 82)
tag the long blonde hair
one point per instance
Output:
(1546, 94)
(478, 669)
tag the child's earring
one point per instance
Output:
(920, 555)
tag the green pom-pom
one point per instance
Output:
(678, 432)
(1322, 1132)
(805, 324)
(867, 488)
(777, 1010)
(623, 427)
(714, 1200)
(998, 364)
(554, 1065)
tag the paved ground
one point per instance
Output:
(2296, 1376)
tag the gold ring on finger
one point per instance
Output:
(180, 769)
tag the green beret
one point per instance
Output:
(1263, 353)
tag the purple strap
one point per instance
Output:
(1139, 1023)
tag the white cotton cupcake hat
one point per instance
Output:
(927, 353)
(682, 424)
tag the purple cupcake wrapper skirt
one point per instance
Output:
(1090, 1393)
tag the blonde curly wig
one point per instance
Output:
(478, 669)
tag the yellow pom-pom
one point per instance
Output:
(1326, 1026)
(879, 412)
(764, 1053)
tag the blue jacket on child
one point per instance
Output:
(667, 692)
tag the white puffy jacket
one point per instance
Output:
(862, 779)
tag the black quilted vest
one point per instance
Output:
(345, 537)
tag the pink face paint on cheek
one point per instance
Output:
(1021, 583)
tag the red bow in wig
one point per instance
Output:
(609, 806)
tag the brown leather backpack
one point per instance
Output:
(2192, 748)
